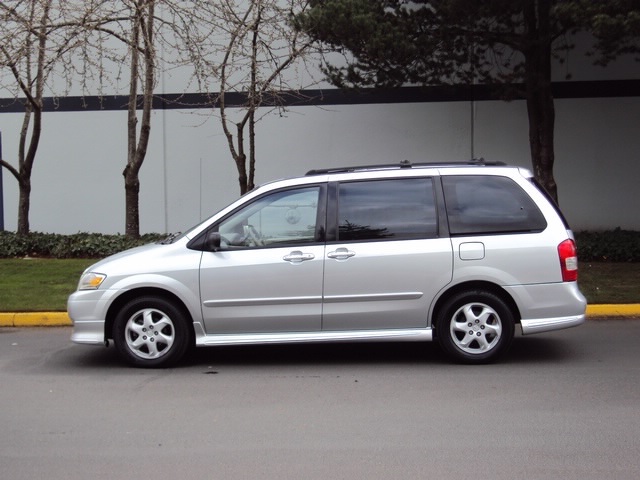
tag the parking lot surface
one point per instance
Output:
(561, 405)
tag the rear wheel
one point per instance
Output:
(151, 332)
(475, 327)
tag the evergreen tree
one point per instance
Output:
(511, 42)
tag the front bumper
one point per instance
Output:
(85, 310)
(88, 333)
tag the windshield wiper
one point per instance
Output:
(170, 239)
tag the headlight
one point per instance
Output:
(91, 281)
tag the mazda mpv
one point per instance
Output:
(460, 253)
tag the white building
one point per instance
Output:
(77, 183)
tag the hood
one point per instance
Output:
(130, 259)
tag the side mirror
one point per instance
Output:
(213, 242)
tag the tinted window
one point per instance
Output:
(552, 202)
(386, 209)
(488, 204)
(280, 218)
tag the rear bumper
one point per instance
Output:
(549, 306)
(539, 325)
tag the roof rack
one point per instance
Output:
(401, 165)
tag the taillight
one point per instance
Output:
(568, 254)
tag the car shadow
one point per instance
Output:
(539, 349)
(317, 354)
(524, 350)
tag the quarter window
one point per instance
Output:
(394, 209)
(478, 204)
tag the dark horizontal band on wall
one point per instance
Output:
(328, 97)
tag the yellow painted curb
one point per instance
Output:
(61, 319)
(613, 310)
(35, 319)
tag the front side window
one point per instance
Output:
(281, 218)
(395, 209)
(483, 204)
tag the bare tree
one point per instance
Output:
(142, 58)
(36, 41)
(244, 46)
(141, 27)
(261, 44)
(45, 42)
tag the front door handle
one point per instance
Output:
(341, 254)
(298, 257)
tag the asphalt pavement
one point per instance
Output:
(560, 406)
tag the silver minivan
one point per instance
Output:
(408, 252)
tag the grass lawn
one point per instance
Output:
(609, 282)
(38, 284)
(30, 285)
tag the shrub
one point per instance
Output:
(79, 245)
(611, 245)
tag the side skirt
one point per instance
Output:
(403, 335)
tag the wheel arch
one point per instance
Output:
(129, 295)
(477, 286)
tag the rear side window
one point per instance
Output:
(394, 209)
(479, 204)
(552, 202)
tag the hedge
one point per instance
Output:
(612, 245)
(609, 246)
(79, 245)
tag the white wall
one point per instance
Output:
(189, 174)
(597, 155)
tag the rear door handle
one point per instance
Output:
(341, 254)
(298, 257)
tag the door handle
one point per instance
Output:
(341, 254)
(298, 257)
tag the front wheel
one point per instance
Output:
(151, 332)
(475, 327)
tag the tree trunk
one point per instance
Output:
(24, 203)
(241, 160)
(130, 173)
(252, 150)
(132, 212)
(254, 98)
(242, 175)
(541, 113)
(27, 156)
(540, 106)
(137, 146)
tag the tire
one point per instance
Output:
(152, 332)
(475, 327)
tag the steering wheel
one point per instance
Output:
(253, 234)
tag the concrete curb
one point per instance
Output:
(61, 319)
(35, 319)
(613, 310)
